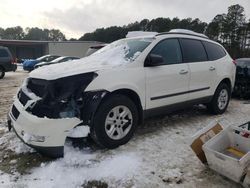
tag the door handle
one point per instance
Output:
(183, 71)
(212, 68)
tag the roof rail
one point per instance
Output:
(183, 32)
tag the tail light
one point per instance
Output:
(234, 62)
(14, 61)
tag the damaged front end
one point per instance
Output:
(61, 98)
(45, 112)
(242, 82)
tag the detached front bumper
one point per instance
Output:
(45, 135)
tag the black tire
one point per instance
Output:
(213, 106)
(2, 73)
(98, 132)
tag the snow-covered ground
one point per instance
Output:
(158, 156)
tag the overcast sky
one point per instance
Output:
(76, 17)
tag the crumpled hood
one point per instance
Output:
(95, 62)
(55, 71)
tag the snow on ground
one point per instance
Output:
(78, 166)
(158, 156)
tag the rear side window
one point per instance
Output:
(214, 51)
(3, 53)
(170, 50)
(65, 59)
(51, 58)
(193, 50)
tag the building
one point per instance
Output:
(28, 49)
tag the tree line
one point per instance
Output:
(231, 29)
(35, 33)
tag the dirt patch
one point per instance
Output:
(95, 184)
(21, 163)
(10, 161)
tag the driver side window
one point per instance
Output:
(170, 51)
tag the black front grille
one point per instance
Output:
(37, 86)
(23, 98)
(15, 112)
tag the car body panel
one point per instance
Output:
(28, 65)
(242, 83)
(55, 131)
(165, 83)
(7, 62)
(155, 87)
(202, 79)
(131, 79)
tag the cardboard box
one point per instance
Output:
(202, 136)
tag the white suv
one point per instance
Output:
(112, 91)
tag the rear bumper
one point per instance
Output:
(10, 67)
(45, 135)
(28, 68)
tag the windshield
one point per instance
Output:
(58, 59)
(243, 62)
(129, 49)
(47, 58)
(41, 58)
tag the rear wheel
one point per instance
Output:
(220, 100)
(2, 72)
(115, 121)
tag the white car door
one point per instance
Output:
(203, 72)
(168, 83)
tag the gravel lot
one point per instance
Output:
(158, 156)
(8, 87)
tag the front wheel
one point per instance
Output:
(114, 122)
(220, 100)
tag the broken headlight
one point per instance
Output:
(67, 88)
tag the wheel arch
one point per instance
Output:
(2, 67)
(2, 71)
(213, 104)
(134, 97)
(227, 81)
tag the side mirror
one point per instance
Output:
(154, 60)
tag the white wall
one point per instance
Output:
(70, 48)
